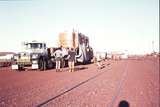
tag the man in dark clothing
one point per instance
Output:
(71, 59)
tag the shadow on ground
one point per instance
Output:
(123, 103)
(80, 68)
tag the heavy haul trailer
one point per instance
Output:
(78, 41)
(35, 55)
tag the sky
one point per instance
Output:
(111, 25)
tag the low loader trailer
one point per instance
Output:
(80, 43)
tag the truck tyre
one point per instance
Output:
(41, 64)
(20, 67)
(49, 64)
(44, 65)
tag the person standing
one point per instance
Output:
(64, 55)
(98, 60)
(71, 59)
(58, 57)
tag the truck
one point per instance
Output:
(35, 55)
(78, 41)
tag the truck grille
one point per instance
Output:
(24, 60)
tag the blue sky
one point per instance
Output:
(111, 25)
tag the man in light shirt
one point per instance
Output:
(98, 60)
(58, 57)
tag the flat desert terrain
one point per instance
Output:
(135, 81)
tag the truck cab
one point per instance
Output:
(30, 56)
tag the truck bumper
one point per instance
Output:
(34, 66)
(14, 67)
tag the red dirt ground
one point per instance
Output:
(134, 80)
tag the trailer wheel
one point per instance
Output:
(89, 62)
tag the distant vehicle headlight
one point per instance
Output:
(34, 56)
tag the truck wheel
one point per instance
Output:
(20, 67)
(50, 64)
(89, 62)
(44, 65)
(41, 64)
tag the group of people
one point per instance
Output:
(59, 55)
(70, 52)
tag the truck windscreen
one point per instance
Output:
(35, 45)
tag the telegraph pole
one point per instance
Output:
(153, 46)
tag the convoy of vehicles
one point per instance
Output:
(36, 55)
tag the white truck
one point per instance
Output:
(35, 55)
